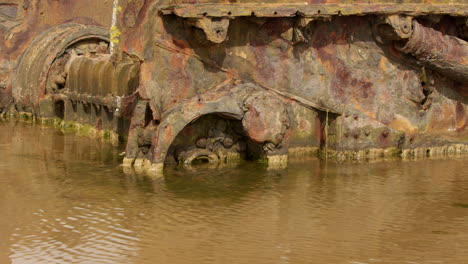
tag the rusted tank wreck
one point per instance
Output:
(224, 80)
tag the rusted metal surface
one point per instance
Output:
(394, 27)
(22, 21)
(431, 48)
(29, 81)
(260, 124)
(94, 87)
(445, 54)
(95, 78)
(312, 9)
(11, 15)
(375, 97)
(209, 80)
(215, 29)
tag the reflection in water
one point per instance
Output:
(64, 199)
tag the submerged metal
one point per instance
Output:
(216, 81)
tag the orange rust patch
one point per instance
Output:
(402, 124)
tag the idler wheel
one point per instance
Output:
(198, 155)
(31, 74)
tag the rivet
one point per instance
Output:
(385, 133)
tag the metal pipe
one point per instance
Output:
(436, 51)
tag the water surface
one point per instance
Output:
(64, 199)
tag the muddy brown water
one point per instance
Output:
(64, 199)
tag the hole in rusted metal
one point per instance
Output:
(318, 11)
(148, 115)
(96, 109)
(87, 108)
(74, 105)
(229, 13)
(201, 160)
(59, 108)
(426, 93)
(252, 14)
(275, 13)
(109, 113)
(385, 133)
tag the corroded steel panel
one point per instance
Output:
(347, 78)
(21, 21)
(320, 55)
(433, 49)
(320, 9)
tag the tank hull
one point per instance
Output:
(346, 79)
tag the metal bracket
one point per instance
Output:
(394, 27)
(300, 25)
(215, 29)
